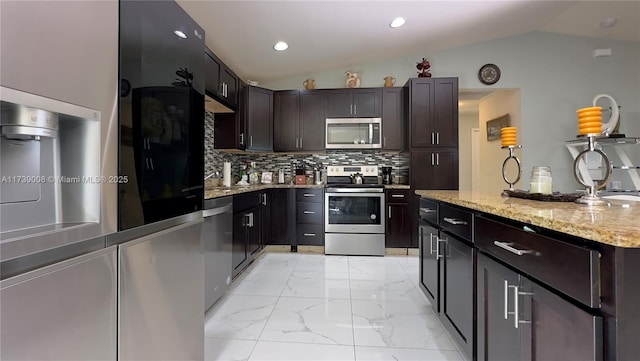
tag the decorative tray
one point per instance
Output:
(554, 197)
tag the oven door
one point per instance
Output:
(354, 210)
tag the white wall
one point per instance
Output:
(556, 74)
(466, 122)
(491, 153)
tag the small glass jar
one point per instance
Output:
(541, 181)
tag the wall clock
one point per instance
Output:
(489, 74)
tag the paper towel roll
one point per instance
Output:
(226, 174)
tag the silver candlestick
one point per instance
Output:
(591, 197)
(512, 155)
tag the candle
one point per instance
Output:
(508, 135)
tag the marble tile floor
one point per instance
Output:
(293, 306)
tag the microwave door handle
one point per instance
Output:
(370, 133)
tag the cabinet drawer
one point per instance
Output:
(571, 269)
(310, 213)
(456, 221)
(244, 201)
(310, 195)
(310, 234)
(429, 210)
(398, 196)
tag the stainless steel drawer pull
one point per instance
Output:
(308, 195)
(309, 234)
(507, 246)
(455, 222)
(309, 212)
(427, 210)
(397, 196)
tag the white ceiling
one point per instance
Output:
(325, 35)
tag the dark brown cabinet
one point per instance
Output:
(457, 304)
(430, 254)
(310, 216)
(519, 319)
(220, 81)
(550, 321)
(398, 220)
(433, 132)
(433, 112)
(434, 168)
(393, 126)
(447, 269)
(259, 119)
(248, 229)
(278, 221)
(299, 119)
(360, 102)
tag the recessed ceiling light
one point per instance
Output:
(608, 23)
(180, 34)
(280, 46)
(397, 22)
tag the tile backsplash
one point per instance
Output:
(273, 161)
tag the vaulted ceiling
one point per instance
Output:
(325, 35)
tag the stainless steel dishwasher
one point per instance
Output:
(217, 242)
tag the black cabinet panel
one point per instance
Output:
(286, 110)
(310, 195)
(393, 128)
(434, 168)
(312, 120)
(278, 222)
(361, 103)
(308, 212)
(398, 218)
(457, 291)
(310, 234)
(498, 339)
(429, 263)
(260, 119)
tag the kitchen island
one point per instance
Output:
(523, 279)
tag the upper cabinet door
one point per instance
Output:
(393, 118)
(421, 112)
(339, 103)
(312, 120)
(221, 82)
(445, 117)
(286, 108)
(433, 112)
(367, 102)
(230, 84)
(351, 103)
(260, 119)
(212, 75)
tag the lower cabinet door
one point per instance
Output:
(555, 329)
(254, 231)
(239, 249)
(498, 337)
(429, 263)
(457, 291)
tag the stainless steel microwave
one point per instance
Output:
(353, 133)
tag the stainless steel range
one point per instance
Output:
(354, 211)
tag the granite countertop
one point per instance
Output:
(617, 225)
(211, 190)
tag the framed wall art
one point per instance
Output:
(494, 126)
